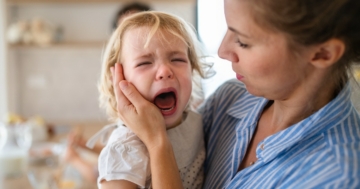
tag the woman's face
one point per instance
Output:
(260, 59)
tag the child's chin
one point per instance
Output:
(172, 122)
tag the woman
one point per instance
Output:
(289, 122)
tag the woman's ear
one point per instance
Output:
(327, 53)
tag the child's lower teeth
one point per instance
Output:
(166, 110)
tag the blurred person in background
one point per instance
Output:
(75, 144)
(127, 10)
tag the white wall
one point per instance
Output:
(212, 27)
(3, 68)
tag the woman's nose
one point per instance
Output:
(164, 72)
(226, 50)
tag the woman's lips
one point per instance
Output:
(239, 77)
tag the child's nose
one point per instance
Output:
(164, 72)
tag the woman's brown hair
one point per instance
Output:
(311, 22)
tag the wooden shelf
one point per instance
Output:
(19, 2)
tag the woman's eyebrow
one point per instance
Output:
(237, 32)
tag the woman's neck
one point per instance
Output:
(310, 98)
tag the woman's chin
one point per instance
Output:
(252, 90)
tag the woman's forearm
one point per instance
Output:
(164, 170)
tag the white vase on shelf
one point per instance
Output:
(14, 151)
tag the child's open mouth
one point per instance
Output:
(166, 102)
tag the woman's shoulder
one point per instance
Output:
(346, 131)
(343, 140)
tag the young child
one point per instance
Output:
(160, 56)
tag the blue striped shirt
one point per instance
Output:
(321, 151)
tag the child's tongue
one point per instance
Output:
(165, 101)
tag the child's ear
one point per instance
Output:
(327, 53)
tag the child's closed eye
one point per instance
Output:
(179, 60)
(143, 64)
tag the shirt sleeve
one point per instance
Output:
(124, 160)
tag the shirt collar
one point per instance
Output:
(245, 108)
(249, 108)
(327, 117)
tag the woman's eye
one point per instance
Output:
(243, 45)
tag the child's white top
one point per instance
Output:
(125, 157)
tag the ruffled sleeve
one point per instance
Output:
(125, 157)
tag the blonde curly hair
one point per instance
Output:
(157, 22)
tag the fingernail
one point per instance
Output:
(123, 85)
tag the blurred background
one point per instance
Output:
(56, 78)
(53, 73)
(50, 58)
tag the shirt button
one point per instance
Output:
(262, 146)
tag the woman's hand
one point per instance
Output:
(141, 116)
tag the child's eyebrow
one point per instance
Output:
(177, 53)
(170, 53)
(147, 55)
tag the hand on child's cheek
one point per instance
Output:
(141, 116)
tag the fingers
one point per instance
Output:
(71, 138)
(142, 117)
(117, 75)
(133, 95)
(75, 137)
